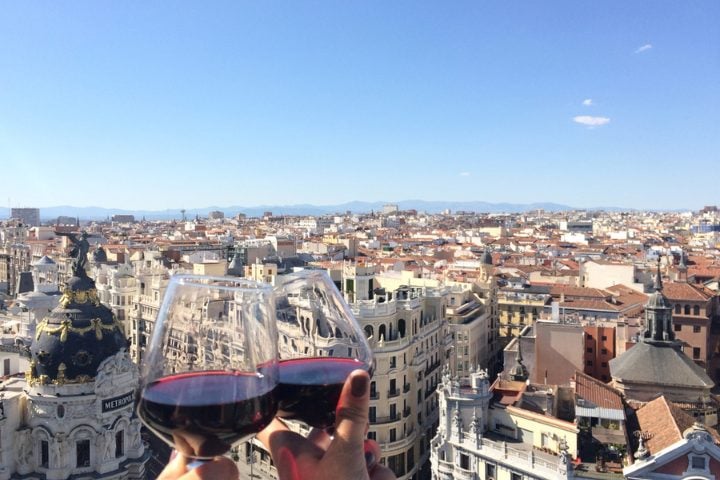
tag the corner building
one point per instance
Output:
(72, 415)
(413, 330)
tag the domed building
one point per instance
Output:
(656, 364)
(73, 416)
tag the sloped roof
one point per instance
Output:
(685, 291)
(597, 392)
(658, 363)
(664, 423)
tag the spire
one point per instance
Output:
(518, 356)
(519, 372)
(657, 285)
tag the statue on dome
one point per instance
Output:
(79, 252)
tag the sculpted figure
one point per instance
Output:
(24, 447)
(109, 444)
(135, 434)
(56, 454)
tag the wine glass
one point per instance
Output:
(209, 375)
(320, 343)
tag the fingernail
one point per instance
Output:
(359, 385)
(369, 460)
(173, 455)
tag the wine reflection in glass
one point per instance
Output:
(210, 372)
(320, 343)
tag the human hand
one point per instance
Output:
(347, 455)
(220, 468)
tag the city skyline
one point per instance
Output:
(283, 104)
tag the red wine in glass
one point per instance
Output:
(204, 413)
(310, 388)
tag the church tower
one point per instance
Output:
(658, 314)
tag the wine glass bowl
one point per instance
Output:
(210, 372)
(320, 343)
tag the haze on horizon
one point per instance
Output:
(150, 106)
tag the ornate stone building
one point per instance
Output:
(72, 415)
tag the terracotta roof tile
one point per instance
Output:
(685, 291)
(597, 392)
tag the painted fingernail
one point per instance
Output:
(369, 460)
(359, 386)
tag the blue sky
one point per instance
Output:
(189, 104)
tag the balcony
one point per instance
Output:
(374, 395)
(406, 388)
(393, 393)
(432, 367)
(406, 412)
(387, 419)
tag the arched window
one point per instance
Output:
(401, 327)
(368, 331)
(696, 310)
(687, 310)
(381, 332)
(677, 308)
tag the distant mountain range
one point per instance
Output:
(99, 213)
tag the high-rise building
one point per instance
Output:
(28, 216)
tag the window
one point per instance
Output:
(604, 351)
(696, 328)
(393, 435)
(696, 353)
(120, 444)
(372, 435)
(603, 364)
(677, 308)
(410, 458)
(696, 310)
(396, 463)
(686, 310)
(677, 328)
(515, 476)
(44, 454)
(589, 363)
(372, 415)
(6, 366)
(464, 462)
(604, 338)
(82, 453)
(489, 470)
(393, 361)
(589, 350)
(697, 462)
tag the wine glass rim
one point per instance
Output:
(241, 283)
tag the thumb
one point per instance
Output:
(352, 410)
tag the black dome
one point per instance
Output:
(76, 337)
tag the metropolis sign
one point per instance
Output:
(116, 403)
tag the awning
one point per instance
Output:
(608, 436)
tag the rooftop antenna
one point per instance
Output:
(183, 214)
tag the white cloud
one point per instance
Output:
(588, 102)
(644, 48)
(591, 121)
(464, 174)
